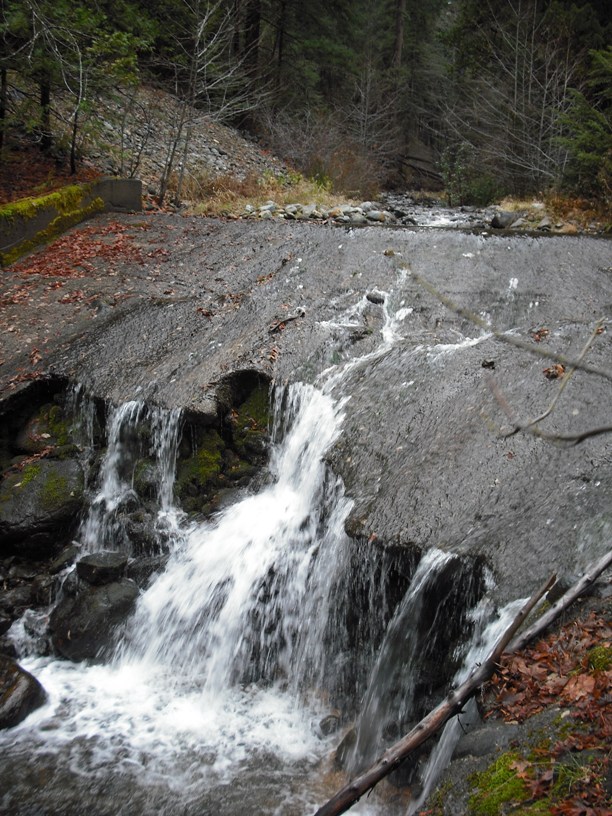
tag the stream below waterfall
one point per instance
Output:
(213, 699)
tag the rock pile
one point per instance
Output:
(368, 212)
(137, 142)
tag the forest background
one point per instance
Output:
(480, 98)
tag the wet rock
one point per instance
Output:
(82, 627)
(504, 219)
(141, 533)
(5, 623)
(20, 693)
(14, 601)
(39, 506)
(486, 740)
(345, 749)
(67, 557)
(44, 589)
(330, 724)
(47, 428)
(141, 570)
(7, 648)
(102, 567)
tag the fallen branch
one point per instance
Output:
(430, 724)
(575, 591)
(456, 699)
(510, 339)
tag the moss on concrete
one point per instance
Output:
(69, 205)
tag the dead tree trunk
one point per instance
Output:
(454, 702)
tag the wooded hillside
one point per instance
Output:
(479, 97)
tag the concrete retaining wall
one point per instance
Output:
(27, 223)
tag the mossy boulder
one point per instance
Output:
(249, 426)
(47, 428)
(198, 475)
(40, 503)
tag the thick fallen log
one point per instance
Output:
(456, 699)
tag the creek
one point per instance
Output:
(318, 615)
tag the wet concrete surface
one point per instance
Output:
(421, 452)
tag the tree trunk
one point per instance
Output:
(279, 44)
(251, 37)
(575, 591)
(237, 20)
(73, 141)
(3, 98)
(398, 46)
(46, 137)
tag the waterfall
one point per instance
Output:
(222, 671)
(252, 634)
(391, 688)
(104, 526)
(489, 626)
(242, 598)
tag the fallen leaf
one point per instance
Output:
(554, 371)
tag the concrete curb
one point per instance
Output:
(27, 223)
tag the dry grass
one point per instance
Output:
(227, 195)
(528, 205)
(581, 212)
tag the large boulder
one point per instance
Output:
(20, 693)
(40, 502)
(82, 626)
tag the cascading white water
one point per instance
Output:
(488, 628)
(222, 673)
(199, 621)
(103, 528)
(211, 679)
(395, 666)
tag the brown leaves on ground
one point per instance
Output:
(569, 669)
(73, 255)
(540, 334)
(50, 276)
(556, 671)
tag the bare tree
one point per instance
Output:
(511, 107)
(208, 80)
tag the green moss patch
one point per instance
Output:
(497, 787)
(600, 658)
(250, 424)
(201, 472)
(67, 207)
